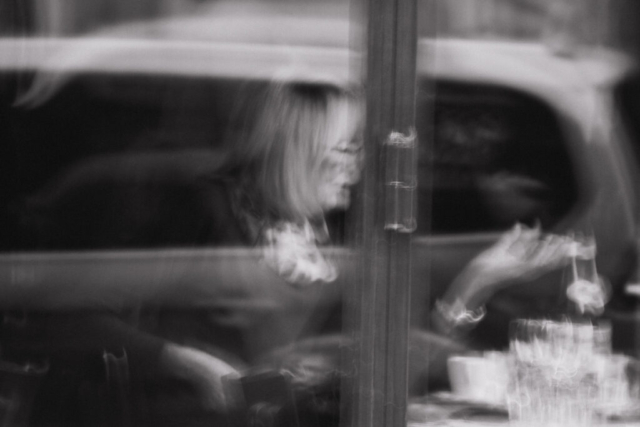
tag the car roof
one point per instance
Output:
(521, 64)
(310, 41)
(527, 63)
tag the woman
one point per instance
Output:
(299, 154)
(295, 153)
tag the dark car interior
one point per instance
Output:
(115, 161)
(498, 157)
(125, 154)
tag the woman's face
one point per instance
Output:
(342, 161)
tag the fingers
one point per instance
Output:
(526, 253)
(551, 252)
(507, 239)
(522, 240)
(585, 249)
(530, 243)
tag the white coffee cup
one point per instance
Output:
(478, 378)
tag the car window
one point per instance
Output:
(119, 161)
(498, 157)
(99, 164)
(627, 98)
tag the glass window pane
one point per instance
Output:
(528, 146)
(177, 218)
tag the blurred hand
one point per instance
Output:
(522, 254)
(200, 369)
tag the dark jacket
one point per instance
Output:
(116, 203)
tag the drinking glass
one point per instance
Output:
(553, 382)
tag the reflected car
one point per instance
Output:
(509, 132)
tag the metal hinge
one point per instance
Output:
(400, 182)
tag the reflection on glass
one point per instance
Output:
(177, 211)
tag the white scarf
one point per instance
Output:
(291, 250)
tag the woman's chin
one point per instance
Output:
(341, 201)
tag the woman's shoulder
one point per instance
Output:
(224, 198)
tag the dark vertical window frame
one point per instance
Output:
(378, 302)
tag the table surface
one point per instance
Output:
(439, 411)
(470, 423)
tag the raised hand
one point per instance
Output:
(524, 254)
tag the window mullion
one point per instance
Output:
(378, 303)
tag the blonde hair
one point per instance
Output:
(283, 143)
